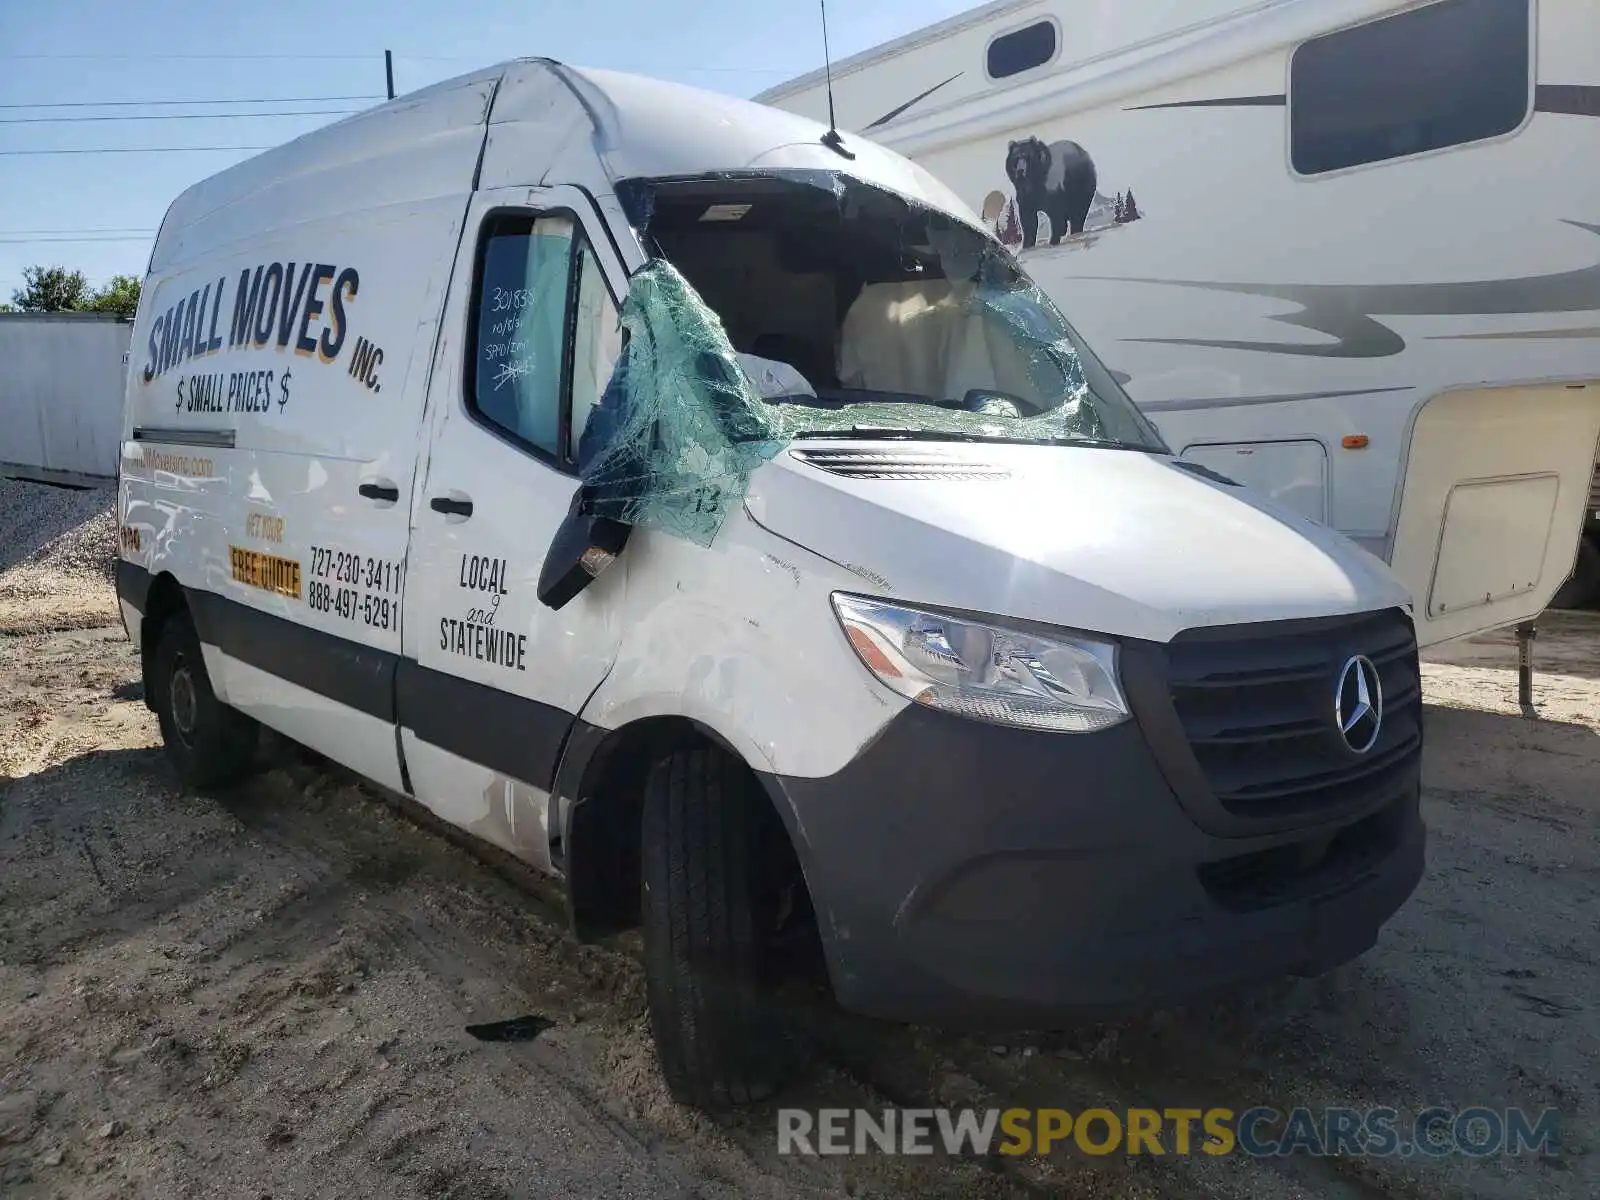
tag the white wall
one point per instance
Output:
(61, 385)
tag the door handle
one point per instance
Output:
(450, 505)
(379, 491)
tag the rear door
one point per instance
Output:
(492, 679)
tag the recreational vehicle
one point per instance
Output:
(1344, 251)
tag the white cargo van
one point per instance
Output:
(708, 511)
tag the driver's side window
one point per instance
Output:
(545, 333)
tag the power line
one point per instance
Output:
(92, 229)
(186, 57)
(166, 103)
(39, 241)
(368, 57)
(700, 70)
(471, 58)
(313, 112)
(131, 150)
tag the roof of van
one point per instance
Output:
(545, 123)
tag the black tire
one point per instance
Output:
(208, 743)
(708, 914)
(1582, 587)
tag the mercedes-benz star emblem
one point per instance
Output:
(1358, 704)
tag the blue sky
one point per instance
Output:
(69, 52)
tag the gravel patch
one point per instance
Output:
(60, 529)
(58, 552)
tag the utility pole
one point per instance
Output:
(388, 70)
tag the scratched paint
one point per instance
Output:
(516, 818)
(783, 565)
(869, 575)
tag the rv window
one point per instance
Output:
(1444, 75)
(1022, 49)
(523, 366)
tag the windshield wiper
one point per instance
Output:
(885, 433)
(889, 433)
(1099, 443)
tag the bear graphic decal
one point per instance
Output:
(1059, 182)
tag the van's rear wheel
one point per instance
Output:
(207, 742)
(709, 911)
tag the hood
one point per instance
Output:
(1110, 541)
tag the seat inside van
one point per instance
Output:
(923, 337)
(856, 303)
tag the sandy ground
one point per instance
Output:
(266, 992)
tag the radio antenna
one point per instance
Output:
(831, 139)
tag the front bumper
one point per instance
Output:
(968, 874)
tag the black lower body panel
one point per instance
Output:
(966, 874)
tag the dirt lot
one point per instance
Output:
(267, 992)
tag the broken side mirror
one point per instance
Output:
(584, 546)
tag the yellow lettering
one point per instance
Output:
(1144, 1131)
(1220, 1137)
(268, 529)
(1014, 1121)
(1183, 1118)
(1055, 1124)
(1086, 1142)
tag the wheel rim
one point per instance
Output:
(185, 703)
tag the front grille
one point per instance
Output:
(1305, 870)
(1257, 708)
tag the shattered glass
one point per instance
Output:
(679, 429)
(1037, 390)
(953, 344)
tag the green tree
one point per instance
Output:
(51, 289)
(5, 308)
(120, 296)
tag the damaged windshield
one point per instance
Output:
(857, 313)
(805, 305)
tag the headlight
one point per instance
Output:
(1061, 684)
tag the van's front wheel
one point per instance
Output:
(709, 911)
(207, 742)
